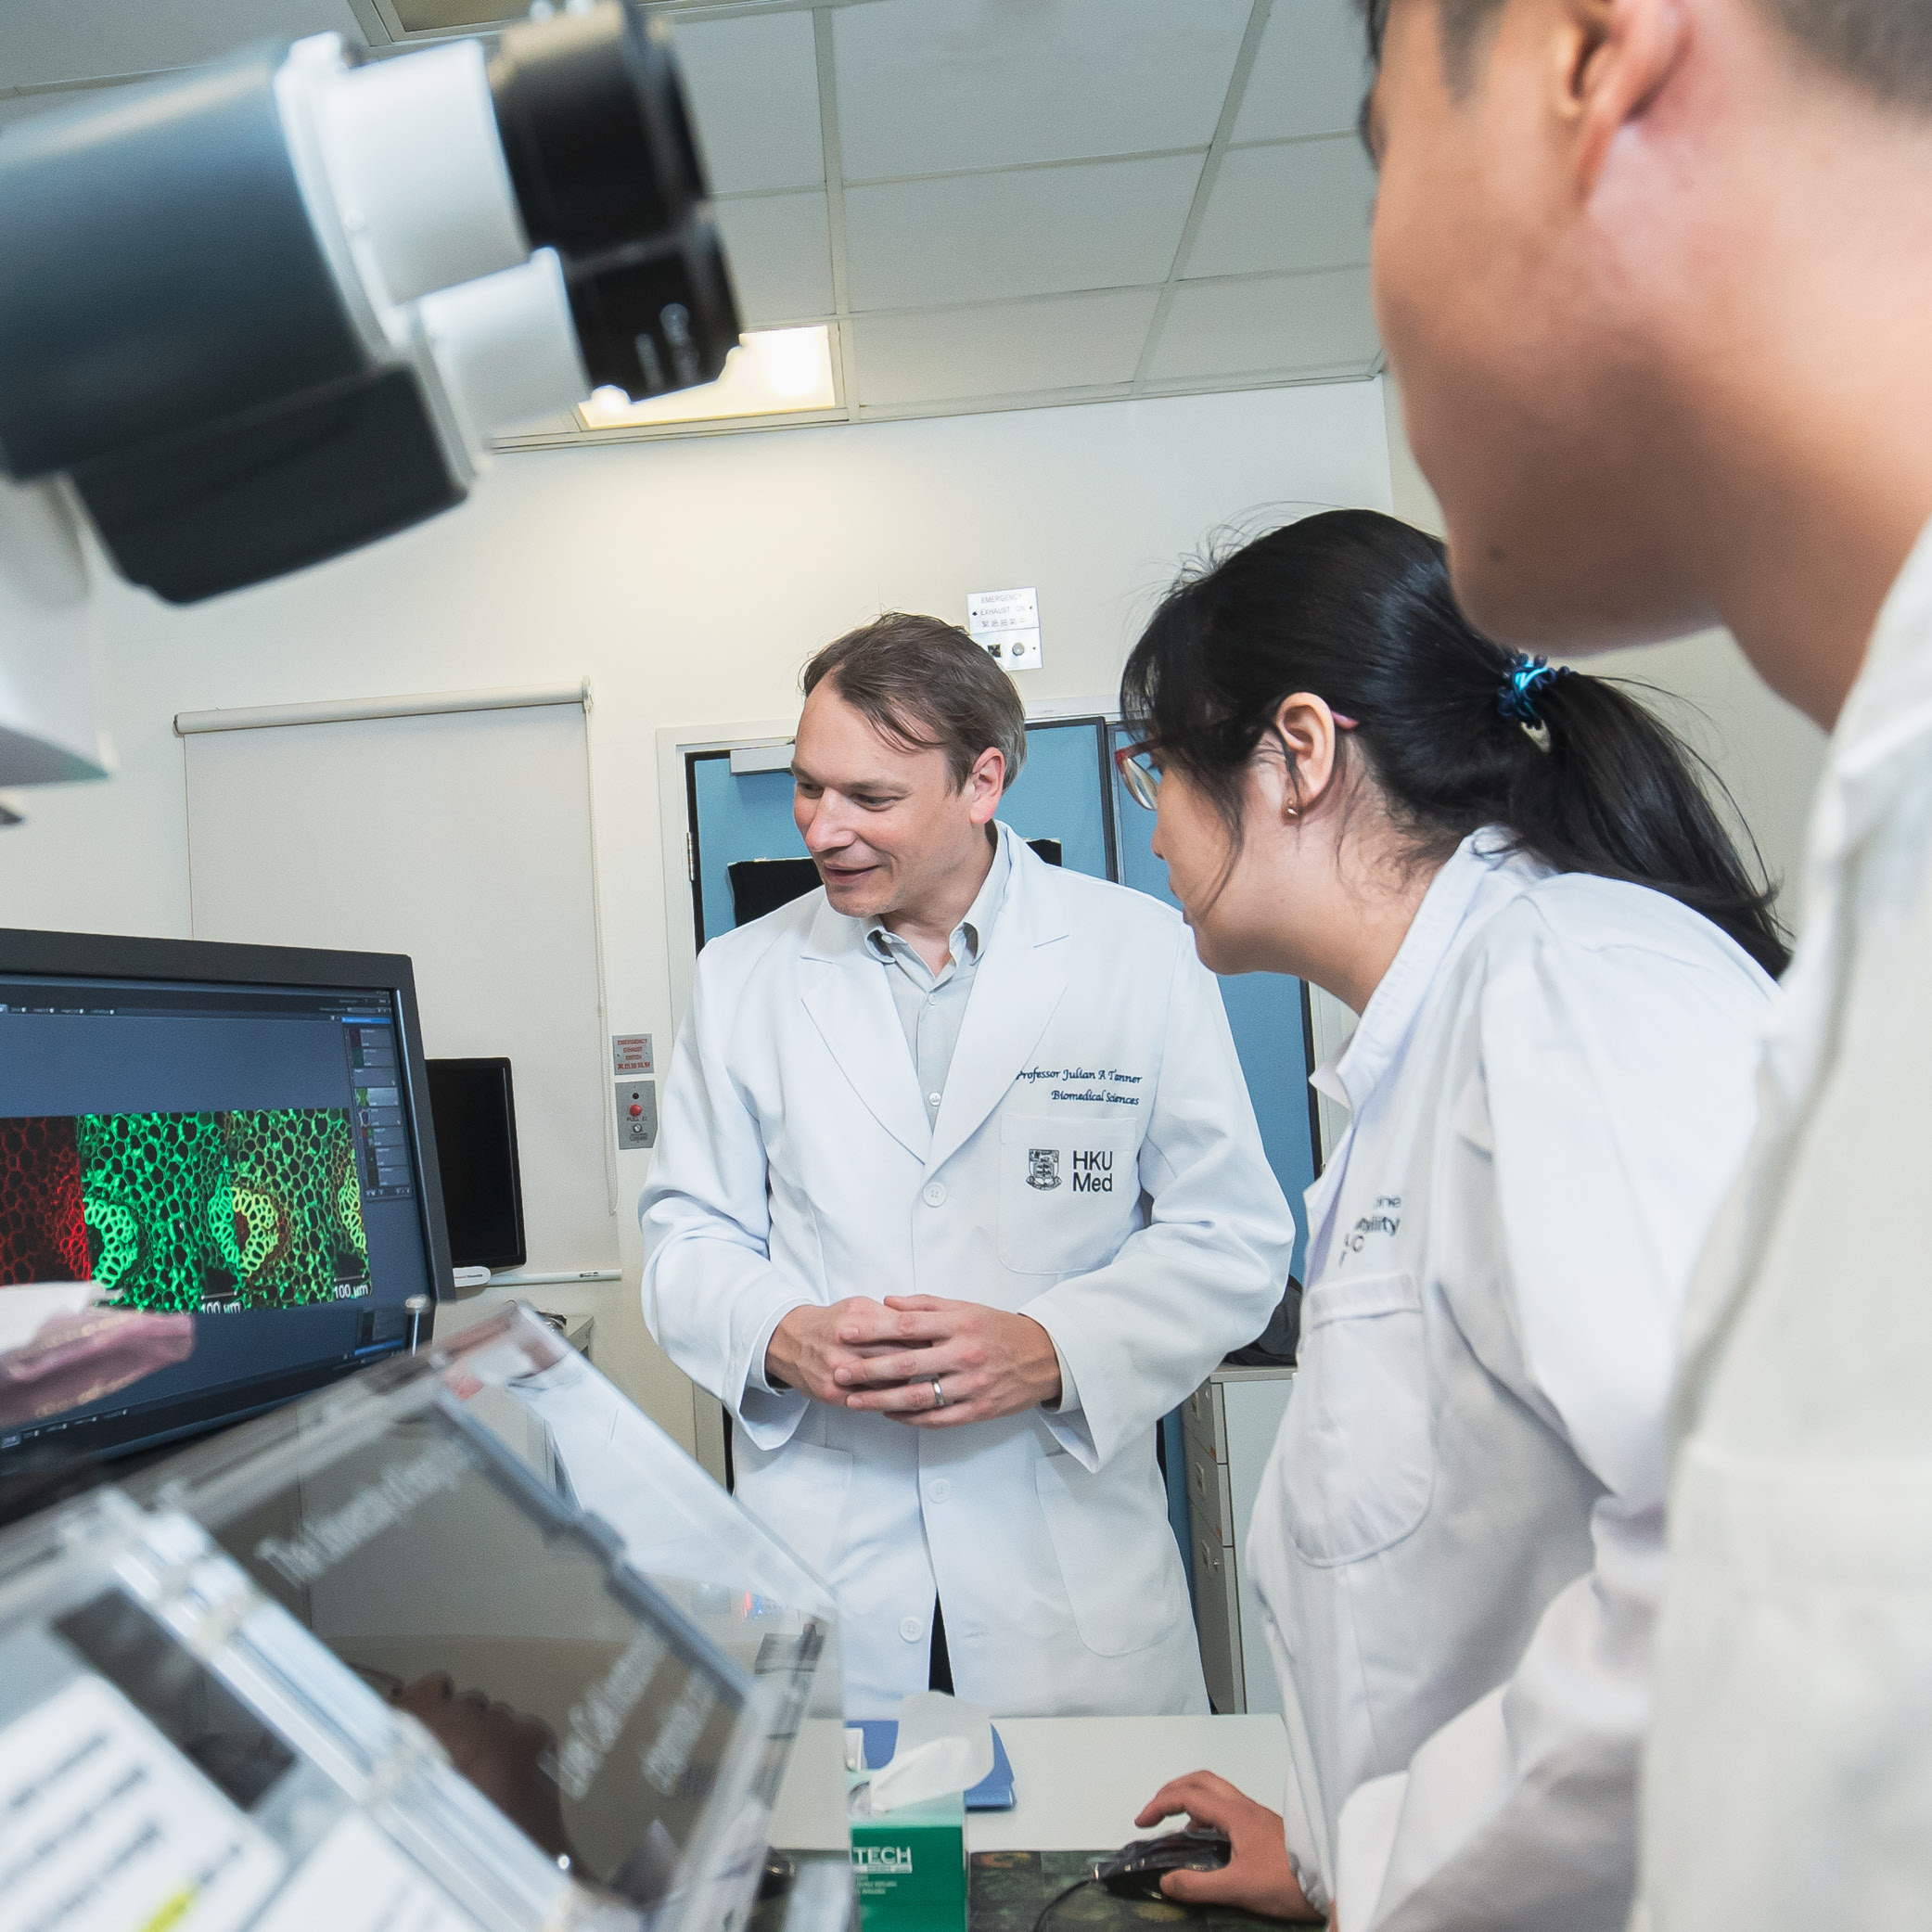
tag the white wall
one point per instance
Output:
(1768, 754)
(689, 580)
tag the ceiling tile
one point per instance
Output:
(753, 84)
(781, 256)
(1271, 326)
(1019, 349)
(59, 40)
(1304, 205)
(1026, 231)
(1310, 74)
(927, 85)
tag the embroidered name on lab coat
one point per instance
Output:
(1384, 1218)
(1102, 1084)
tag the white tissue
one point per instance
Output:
(945, 1745)
(23, 1309)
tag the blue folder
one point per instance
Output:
(992, 1793)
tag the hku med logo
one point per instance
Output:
(1043, 1167)
(1093, 1172)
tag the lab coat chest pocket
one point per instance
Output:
(1357, 1449)
(1068, 1191)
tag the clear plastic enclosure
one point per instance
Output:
(470, 1603)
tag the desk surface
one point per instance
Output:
(1013, 1892)
(1078, 1782)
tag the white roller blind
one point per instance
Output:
(463, 839)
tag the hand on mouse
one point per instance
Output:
(1256, 1876)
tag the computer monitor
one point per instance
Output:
(475, 1107)
(237, 1132)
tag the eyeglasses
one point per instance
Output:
(1139, 774)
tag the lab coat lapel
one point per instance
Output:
(1380, 1042)
(844, 989)
(1018, 983)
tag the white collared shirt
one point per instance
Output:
(932, 1005)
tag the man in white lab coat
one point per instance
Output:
(1654, 277)
(958, 1191)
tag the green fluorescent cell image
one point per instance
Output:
(245, 1209)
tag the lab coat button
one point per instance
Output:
(939, 1488)
(911, 1629)
(935, 1195)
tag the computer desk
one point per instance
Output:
(1076, 1784)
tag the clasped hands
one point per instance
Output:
(886, 1355)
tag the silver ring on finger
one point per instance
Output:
(939, 1394)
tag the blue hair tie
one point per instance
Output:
(1516, 698)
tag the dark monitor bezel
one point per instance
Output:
(88, 956)
(520, 1256)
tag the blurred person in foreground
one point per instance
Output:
(1653, 277)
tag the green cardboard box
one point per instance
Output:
(909, 1866)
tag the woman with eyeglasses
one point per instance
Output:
(1511, 874)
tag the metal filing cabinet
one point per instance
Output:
(1228, 1427)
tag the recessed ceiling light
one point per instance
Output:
(441, 16)
(772, 372)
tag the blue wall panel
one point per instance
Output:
(744, 817)
(1061, 793)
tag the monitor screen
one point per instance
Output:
(475, 1107)
(234, 1132)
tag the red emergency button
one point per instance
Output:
(636, 1109)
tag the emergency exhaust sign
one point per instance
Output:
(1008, 623)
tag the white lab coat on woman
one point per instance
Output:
(1789, 1780)
(1458, 1541)
(1094, 1162)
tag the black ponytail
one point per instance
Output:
(1356, 607)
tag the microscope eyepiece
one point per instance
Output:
(262, 313)
(606, 171)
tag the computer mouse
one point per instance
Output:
(1135, 1871)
